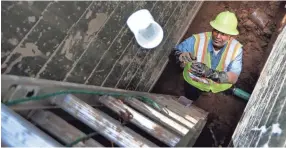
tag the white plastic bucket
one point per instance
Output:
(148, 33)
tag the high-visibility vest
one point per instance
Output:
(203, 55)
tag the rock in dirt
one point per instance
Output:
(251, 37)
(243, 15)
(259, 18)
(271, 9)
(267, 31)
(249, 25)
(263, 43)
(282, 23)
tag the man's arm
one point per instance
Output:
(232, 77)
(229, 76)
(187, 46)
(235, 68)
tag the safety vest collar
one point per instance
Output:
(229, 52)
(201, 44)
(211, 47)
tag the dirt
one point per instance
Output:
(225, 109)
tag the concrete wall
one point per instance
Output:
(263, 123)
(88, 42)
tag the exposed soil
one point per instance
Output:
(224, 109)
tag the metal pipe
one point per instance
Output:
(18, 132)
(241, 93)
(100, 122)
(159, 117)
(141, 121)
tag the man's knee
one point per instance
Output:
(191, 92)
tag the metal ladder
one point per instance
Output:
(126, 120)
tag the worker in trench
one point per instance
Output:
(212, 61)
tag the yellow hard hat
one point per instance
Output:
(225, 22)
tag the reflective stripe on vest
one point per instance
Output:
(203, 39)
(235, 53)
(201, 50)
(201, 46)
(230, 53)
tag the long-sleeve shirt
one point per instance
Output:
(188, 46)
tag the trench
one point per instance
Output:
(224, 109)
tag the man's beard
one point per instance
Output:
(215, 44)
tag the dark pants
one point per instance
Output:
(191, 92)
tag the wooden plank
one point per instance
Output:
(141, 121)
(177, 35)
(122, 62)
(140, 57)
(18, 132)
(114, 52)
(264, 107)
(263, 139)
(271, 113)
(255, 135)
(61, 129)
(60, 85)
(271, 110)
(157, 116)
(265, 100)
(178, 118)
(146, 78)
(21, 90)
(105, 38)
(105, 125)
(31, 54)
(192, 113)
(17, 20)
(149, 73)
(7, 81)
(150, 59)
(262, 91)
(198, 128)
(190, 138)
(78, 40)
(182, 26)
(279, 139)
(120, 66)
(161, 14)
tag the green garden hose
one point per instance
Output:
(46, 96)
(86, 137)
(241, 93)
